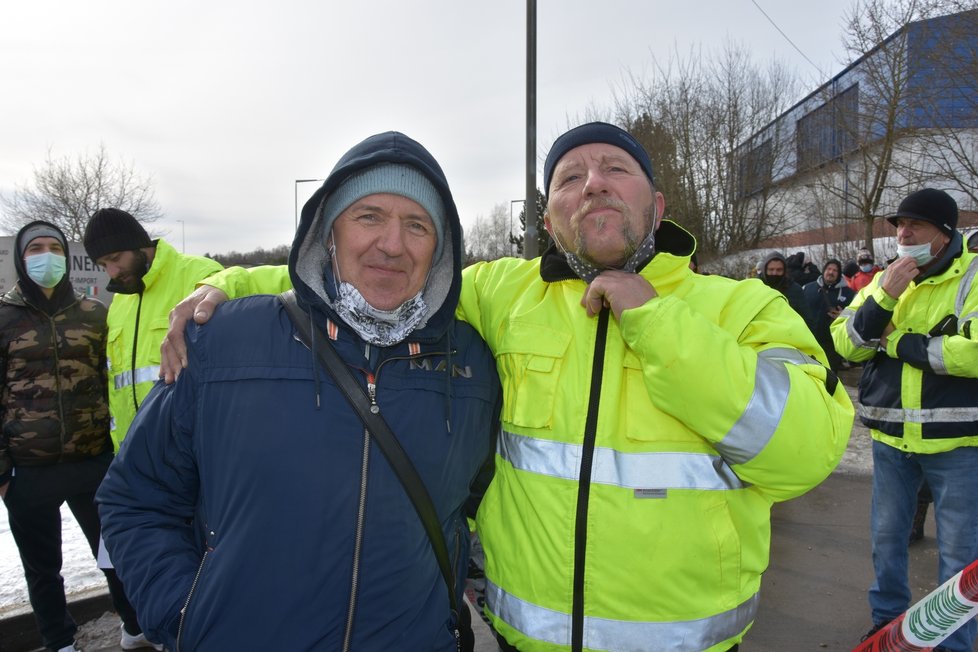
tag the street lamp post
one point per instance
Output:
(183, 237)
(530, 236)
(511, 202)
(297, 182)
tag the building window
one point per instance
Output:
(754, 169)
(828, 132)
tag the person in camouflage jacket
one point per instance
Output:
(54, 444)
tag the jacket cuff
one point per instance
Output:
(910, 348)
(884, 300)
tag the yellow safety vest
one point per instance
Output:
(931, 408)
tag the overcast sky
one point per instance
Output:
(225, 104)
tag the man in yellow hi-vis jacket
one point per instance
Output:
(149, 277)
(914, 326)
(651, 417)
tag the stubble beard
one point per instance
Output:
(630, 239)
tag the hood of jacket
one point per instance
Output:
(310, 266)
(31, 292)
(785, 281)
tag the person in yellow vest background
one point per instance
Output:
(149, 277)
(651, 417)
(915, 328)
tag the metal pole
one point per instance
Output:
(530, 207)
(511, 202)
(297, 182)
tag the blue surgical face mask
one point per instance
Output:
(45, 269)
(919, 252)
(868, 267)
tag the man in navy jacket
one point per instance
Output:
(309, 541)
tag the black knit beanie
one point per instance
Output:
(595, 132)
(111, 230)
(929, 205)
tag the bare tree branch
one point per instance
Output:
(67, 191)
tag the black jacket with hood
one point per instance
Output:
(791, 290)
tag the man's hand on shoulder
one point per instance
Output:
(199, 306)
(617, 290)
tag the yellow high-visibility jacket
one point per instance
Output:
(137, 324)
(630, 509)
(920, 394)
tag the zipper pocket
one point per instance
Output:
(190, 595)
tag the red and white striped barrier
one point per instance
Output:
(933, 619)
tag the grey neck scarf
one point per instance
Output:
(589, 272)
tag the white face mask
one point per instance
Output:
(45, 269)
(919, 252)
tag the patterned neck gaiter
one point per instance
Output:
(379, 327)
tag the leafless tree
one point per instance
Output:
(951, 145)
(694, 113)
(891, 134)
(488, 237)
(543, 237)
(275, 256)
(66, 191)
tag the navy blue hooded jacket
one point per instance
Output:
(309, 540)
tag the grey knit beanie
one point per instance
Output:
(393, 179)
(38, 230)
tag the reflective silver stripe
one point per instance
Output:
(970, 315)
(143, 375)
(908, 415)
(760, 419)
(854, 336)
(965, 286)
(615, 468)
(791, 356)
(935, 355)
(554, 627)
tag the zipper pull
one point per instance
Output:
(372, 393)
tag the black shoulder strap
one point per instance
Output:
(381, 433)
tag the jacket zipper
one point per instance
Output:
(57, 369)
(190, 595)
(456, 628)
(135, 347)
(57, 384)
(362, 503)
(361, 514)
(584, 482)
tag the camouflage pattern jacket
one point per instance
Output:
(53, 401)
